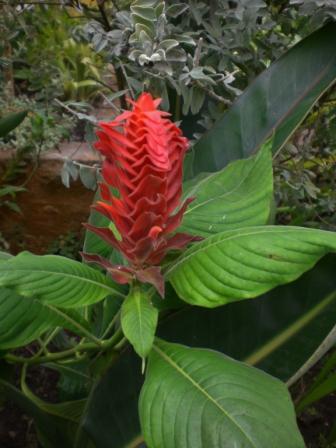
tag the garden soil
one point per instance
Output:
(48, 209)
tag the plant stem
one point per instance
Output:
(214, 95)
(130, 88)
(115, 340)
(103, 15)
(177, 116)
(111, 325)
(121, 86)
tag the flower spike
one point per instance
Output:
(144, 153)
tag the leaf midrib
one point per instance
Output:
(138, 307)
(83, 279)
(234, 189)
(56, 312)
(274, 229)
(201, 390)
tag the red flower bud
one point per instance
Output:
(144, 154)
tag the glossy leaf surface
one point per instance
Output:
(240, 329)
(238, 196)
(277, 331)
(55, 280)
(208, 400)
(244, 263)
(24, 319)
(138, 321)
(4, 256)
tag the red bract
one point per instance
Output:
(144, 154)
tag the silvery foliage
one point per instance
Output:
(195, 54)
(318, 10)
(150, 42)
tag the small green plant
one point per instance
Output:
(42, 129)
(305, 171)
(68, 245)
(50, 60)
(8, 123)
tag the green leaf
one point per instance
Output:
(105, 312)
(138, 321)
(24, 319)
(277, 331)
(238, 196)
(278, 99)
(101, 421)
(240, 329)
(199, 398)
(244, 263)
(88, 177)
(69, 410)
(327, 344)
(74, 380)
(327, 305)
(55, 280)
(325, 388)
(4, 256)
(92, 243)
(10, 190)
(11, 121)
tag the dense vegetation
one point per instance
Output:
(251, 85)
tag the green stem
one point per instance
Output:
(121, 85)
(177, 116)
(83, 330)
(121, 344)
(115, 340)
(123, 71)
(111, 325)
(104, 17)
(285, 209)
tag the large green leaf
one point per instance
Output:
(55, 280)
(244, 263)
(278, 99)
(11, 121)
(4, 256)
(69, 410)
(138, 321)
(327, 344)
(104, 312)
(202, 399)
(112, 409)
(24, 319)
(238, 196)
(278, 331)
(74, 380)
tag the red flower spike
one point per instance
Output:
(144, 154)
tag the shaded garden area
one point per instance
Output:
(133, 230)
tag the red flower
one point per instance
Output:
(144, 154)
